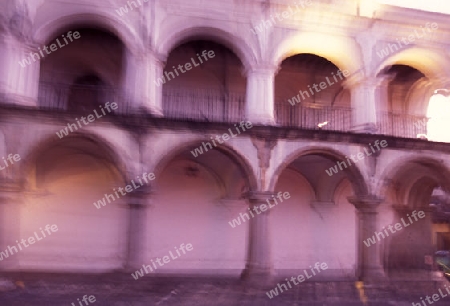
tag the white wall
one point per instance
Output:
(88, 239)
(188, 209)
(303, 235)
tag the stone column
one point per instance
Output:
(138, 203)
(140, 84)
(369, 266)
(259, 105)
(364, 93)
(259, 267)
(11, 201)
(384, 107)
(19, 83)
(383, 93)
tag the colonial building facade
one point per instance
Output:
(272, 135)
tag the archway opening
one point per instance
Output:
(415, 210)
(203, 81)
(440, 210)
(309, 93)
(86, 93)
(317, 223)
(403, 107)
(66, 186)
(197, 199)
(84, 72)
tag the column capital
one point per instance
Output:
(156, 58)
(14, 41)
(140, 197)
(358, 79)
(262, 69)
(256, 197)
(9, 190)
(142, 57)
(366, 204)
(264, 147)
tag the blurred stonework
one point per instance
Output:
(322, 82)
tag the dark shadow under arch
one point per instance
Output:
(231, 153)
(354, 175)
(78, 143)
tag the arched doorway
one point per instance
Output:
(203, 81)
(309, 93)
(64, 182)
(409, 206)
(85, 73)
(195, 200)
(317, 223)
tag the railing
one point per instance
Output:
(79, 97)
(314, 117)
(203, 105)
(186, 104)
(402, 125)
(220, 106)
(53, 96)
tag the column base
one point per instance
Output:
(261, 120)
(373, 275)
(365, 128)
(130, 268)
(20, 100)
(258, 276)
(156, 112)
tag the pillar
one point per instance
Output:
(369, 266)
(259, 266)
(384, 106)
(259, 105)
(19, 84)
(11, 201)
(138, 204)
(364, 94)
(140, 82)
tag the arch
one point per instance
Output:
(340, 188)
(100, 19)
(178, 33)
(345, 54)
(432, 64)
(326, 187)
(66, 180)
(331, 220)
(355, 176)
(226, 149)
(420, 192)
(411, 183)
(400, 165)
(105, 152)
(419, 96)
(300, 177)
